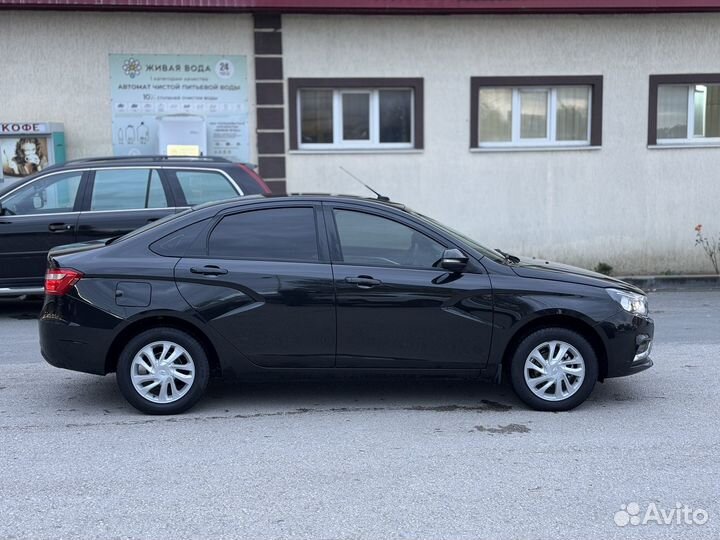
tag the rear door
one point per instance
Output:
(120, 200)
(265, 283)
(36, 217)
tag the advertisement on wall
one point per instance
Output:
(180, 105)
(22, 156)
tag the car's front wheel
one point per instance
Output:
(554, 369)
(163, 371)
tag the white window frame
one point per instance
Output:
(373, 143)
(691, 138)
(551, 130)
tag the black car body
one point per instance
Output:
(96, 198)
(334, 284)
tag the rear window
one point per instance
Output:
(151, 225)
(287, 234)
(205, 186)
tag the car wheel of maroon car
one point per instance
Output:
(554, 369)
(163, 371)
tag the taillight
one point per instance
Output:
(58, 281)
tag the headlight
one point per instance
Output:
(631, 302)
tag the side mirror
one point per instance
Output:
(453, 260)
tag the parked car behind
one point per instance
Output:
(328, 284)
(96, 198)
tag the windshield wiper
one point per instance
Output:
(508, 257)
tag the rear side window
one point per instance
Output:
(205, 186)
(248, 180)
(127, 189)
(287, 234)
(186, 242)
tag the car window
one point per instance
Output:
(205, 186)
(49, 195)
(127, 189)
(156, 197)
(367, 239)
(276, 233)
(184, 242)
(486, 252)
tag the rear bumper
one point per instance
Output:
(629, 342)
(68, 347)
(66, 344)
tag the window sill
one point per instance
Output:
(359, 151)
(683, 146)
(484, 150)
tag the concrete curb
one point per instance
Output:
(675, 283)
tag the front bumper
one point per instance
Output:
(628, 340)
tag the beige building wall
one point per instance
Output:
(623, 203)
(55, 65)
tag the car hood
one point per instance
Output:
(542, 269)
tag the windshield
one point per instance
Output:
(150, 225)
(489, 253)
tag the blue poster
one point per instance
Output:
(180, 105)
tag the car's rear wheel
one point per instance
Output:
(554, 369)
(163, 371)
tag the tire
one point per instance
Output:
(183, 378)
(578, 366)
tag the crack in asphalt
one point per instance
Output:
(485, 406)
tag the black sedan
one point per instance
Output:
(330, 284)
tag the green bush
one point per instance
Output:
(603, 268)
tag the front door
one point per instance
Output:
(266, 286)
(35, 218)
(395, 309)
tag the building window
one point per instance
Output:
(531, 112)
(684, 110)
(356, 114)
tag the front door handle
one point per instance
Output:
(209, 270)
(60, 227)
(363, 282)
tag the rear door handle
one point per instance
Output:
(60, 227)
(209, 270)
(363, 282)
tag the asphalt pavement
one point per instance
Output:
(371, 459)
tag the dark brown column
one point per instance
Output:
(270, 100)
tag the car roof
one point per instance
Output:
(219, 206)
(145, 160)
(110, 161)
